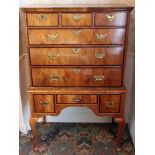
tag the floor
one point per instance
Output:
(76, 139)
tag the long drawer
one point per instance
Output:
(76, 56)
(76, 36)
(105, 76)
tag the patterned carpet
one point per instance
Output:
(76, 139)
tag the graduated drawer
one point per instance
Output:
(43, 103)
(111, 19)
(76, 36)
(42, 19)
(76, 56)
(76, 99)
(76, 19)
(109, 103)
(72, 76)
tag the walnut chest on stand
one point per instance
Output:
(77, 58)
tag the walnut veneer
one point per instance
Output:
(77, 58)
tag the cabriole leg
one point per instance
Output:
(121, 124)
(33, 121)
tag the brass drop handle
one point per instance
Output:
(42, 17)
(76, 99)
(100, 36)
(44, 103)
(54, 77)
(76, 17)
(110, 17)
(76, 50)
(99, 55)
(52, 56)
(99, 77)
(77, 32)
(52, 36)
(77, 70)
(109, 104)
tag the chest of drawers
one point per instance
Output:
(77, 58)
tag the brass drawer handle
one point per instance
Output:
(99, 55)
(77, 70)
(100, 36)
(44, 103)
(109, 104)
(99, 77)
(52, 36)
(76, 17)
(110, 17)
(76, 50)
(52, 56)
(54, 77)
(76, 99)
(42, 17)
(77, 32)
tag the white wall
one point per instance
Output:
(130, 99)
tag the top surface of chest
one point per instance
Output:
(84, 7)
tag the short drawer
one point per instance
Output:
(111, 19)
(76, 99)
(76, 19)
(72, 76)
(109, 103)
(42, 19)
(44, 103)
(76, 56)
(76, 36)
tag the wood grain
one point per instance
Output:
(85, 19)
(44, 77)
(33, 121)
(109, 103)
(73, 99)
(39, 99)
(69, 36)
(119, 18)
(76, 56)
(42, 19)
(76, 7)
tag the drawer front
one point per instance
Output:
(76, 56)
(77, 76)
(111, 19)
(76, 99)
(42, 19)
(109, 103)
(76, 36)
(76, 19)
(44, 103)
